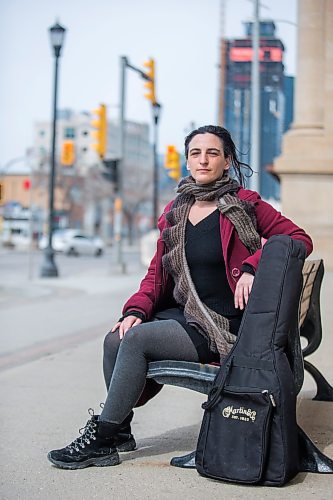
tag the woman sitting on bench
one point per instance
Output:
(190, 303)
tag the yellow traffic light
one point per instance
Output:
(172, 163)
(67, 153)
(150, 84)
(100, 134)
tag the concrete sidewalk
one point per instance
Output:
(36, 313)
(45, 402)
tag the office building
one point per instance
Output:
(276, 99)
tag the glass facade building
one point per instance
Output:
(276, 100)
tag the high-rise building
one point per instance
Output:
(276, 99)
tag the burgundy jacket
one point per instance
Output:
(156, 288)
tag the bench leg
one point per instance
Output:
(324, 389)
(312, 459)
(185, 461)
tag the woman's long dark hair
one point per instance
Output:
(240, 168)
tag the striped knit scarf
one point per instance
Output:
(212, 325)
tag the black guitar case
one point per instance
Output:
(249, 432)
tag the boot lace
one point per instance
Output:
(87, 433)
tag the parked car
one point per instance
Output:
(73, 242)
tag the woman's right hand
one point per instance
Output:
(126, 324)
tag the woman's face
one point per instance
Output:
(206, 160)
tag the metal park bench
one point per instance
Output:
(310, 323)
(199, 377)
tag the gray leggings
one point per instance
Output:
(125, 362)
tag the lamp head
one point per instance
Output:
(57, 36)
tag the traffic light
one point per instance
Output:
(26, 184)
(100, 134)
(111, 172)
(67, 153)
(172, 163)
(150, 83)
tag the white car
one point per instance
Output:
(73, 242)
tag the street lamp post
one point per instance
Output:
(156, 115)
(49, 268)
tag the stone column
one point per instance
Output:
(305, 166)
(328, 115)
(310, 65)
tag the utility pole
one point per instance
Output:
(222, 61)
(118, 203)
(255, 98)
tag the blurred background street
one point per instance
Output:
(85, 301)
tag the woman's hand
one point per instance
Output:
(243, 290)
(126, 324)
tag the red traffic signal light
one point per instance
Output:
(26, 184)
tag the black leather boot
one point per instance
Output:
(124, 439)
(95, 446)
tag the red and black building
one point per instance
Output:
(276, 97)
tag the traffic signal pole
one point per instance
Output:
(118, 206)
(156, 114)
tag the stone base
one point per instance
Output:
(308, 201)
(305, 150)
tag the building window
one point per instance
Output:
(267, 55)
(69, 133)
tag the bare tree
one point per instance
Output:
(137, 186)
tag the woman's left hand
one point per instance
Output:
(243, 290)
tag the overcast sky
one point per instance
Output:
(182, 36)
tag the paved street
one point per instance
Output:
(50, 374)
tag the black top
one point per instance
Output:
(205, 260)
(204, 256)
